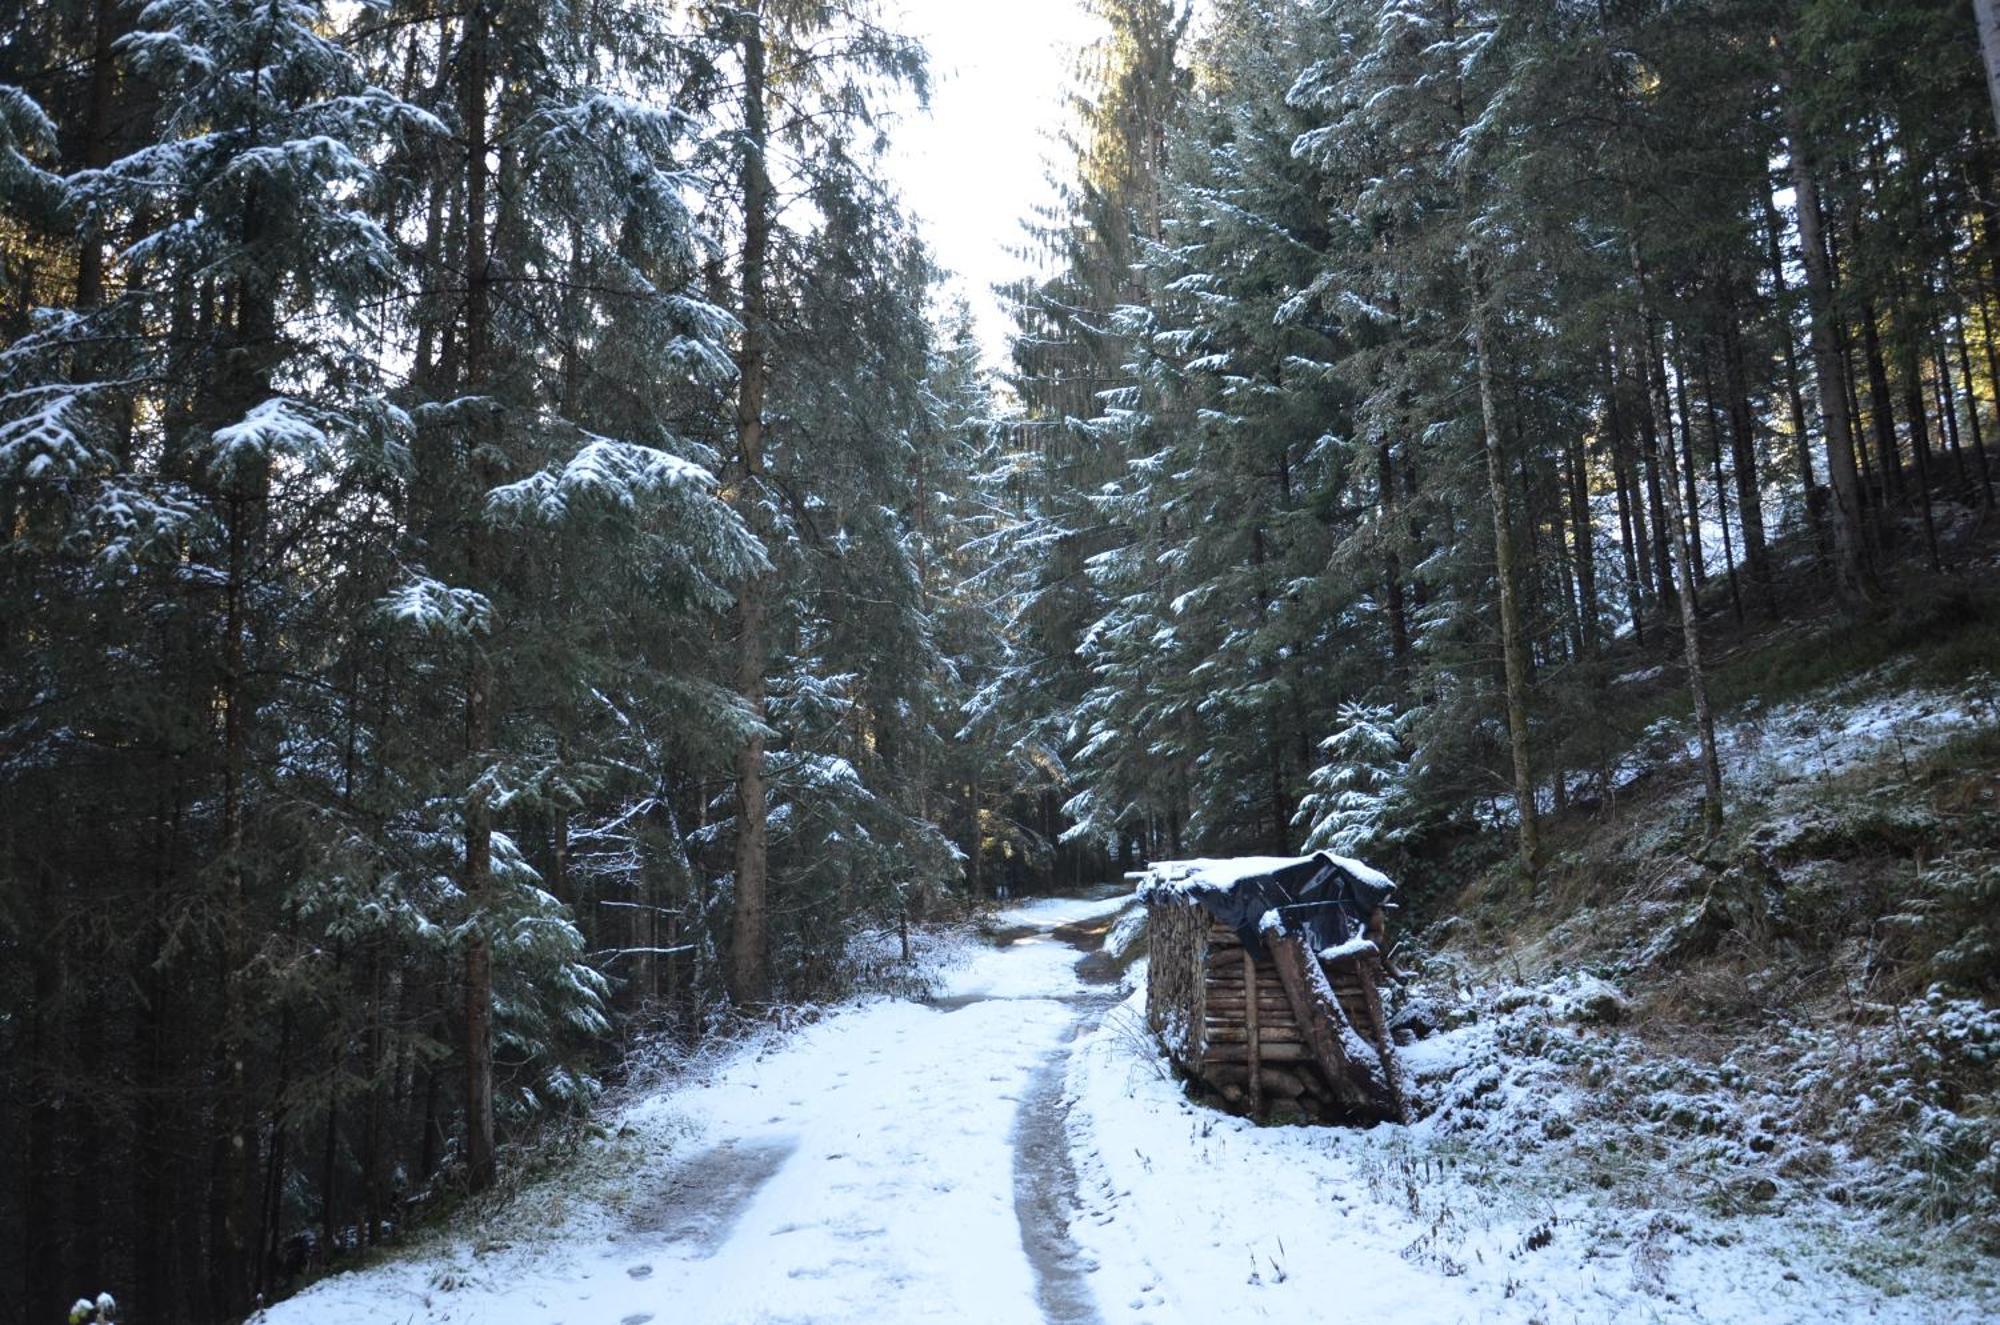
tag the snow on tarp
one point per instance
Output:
(1327, 897)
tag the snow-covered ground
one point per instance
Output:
(862, 1170)
(1865, 720)
(1847, 727)
(1011, 1153)
(1065, 910)
(1195, 1216)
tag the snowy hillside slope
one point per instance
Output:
(1746, 1079)
(1468, 1215)
(1777, 1046)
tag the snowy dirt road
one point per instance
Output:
(898, 1162)
(1013, 1153)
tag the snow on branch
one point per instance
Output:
(44, 440)
(278, 427)
(605, 474)
(435, 608)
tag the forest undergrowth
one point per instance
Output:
(1791, 1016)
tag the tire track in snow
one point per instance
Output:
(1046, 1197)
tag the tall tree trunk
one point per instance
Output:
(1920, 446)
(1794, 393)
(749, 939)
(1972, 417)
(272, 1201)
(1628, 530)
(245, 383)
(1392, 570)
(1514, 648)
(1854, 575)
(1881, 413)
(1989, 47)
(1631, 508)
(1946, 401)
(1534, 619)
(1743, 458)
(1721, 489)
(374, 1135)
(230, 1257)
(1711, 766)
(1583, 540)
(1697, 551)
(1650, 443)
(481, 1157)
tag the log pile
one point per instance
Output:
(1175, 986)
(1284, 1028)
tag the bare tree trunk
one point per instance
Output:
(1631, 503)
(329, 1151)
(1794, 394)
(1972, 417)
(1583, 536)
(1881, 411)
(1854, 575)
(1691, 530)
(230, 1258)
(1879, 529)
(1743, 458)
(1920, 446)
(253, 314)
(1946, 401)
(1650, 445)
(749, 939)
(1989, 46)
(481, 1158)
(1392, 570)
(1514, 650)
(1714, 417)
(1704, 716)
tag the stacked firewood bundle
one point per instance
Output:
(1297, 1024)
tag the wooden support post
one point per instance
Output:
(1360, 1088)
(1250, 1022)
(1378, 1032)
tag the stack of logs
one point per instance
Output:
(1253, 1048)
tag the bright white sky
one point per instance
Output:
(975, 166)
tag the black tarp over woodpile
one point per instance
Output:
(1264, 982)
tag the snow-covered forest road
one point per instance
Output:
(1011, 1151)
(900, 1162)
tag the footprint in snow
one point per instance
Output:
(637, 1318)
(640, 1271)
